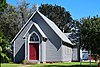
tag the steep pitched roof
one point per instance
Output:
(38, 28)
(23, 27)
(56, 29)
(50, 23)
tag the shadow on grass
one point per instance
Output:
(69, 66)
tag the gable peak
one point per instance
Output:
(35, 6)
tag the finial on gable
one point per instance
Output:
(35, 6)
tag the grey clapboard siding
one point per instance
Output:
(24, 30)
(75, 54)
(53, 46)
(66, 53)
(49, 51)
(19, 42)
(53, 53)
(19, 50)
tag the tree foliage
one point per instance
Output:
(3, 5)
(9, 22)
(90, 34)
(4, 51)
(24, 11)
(58, 14)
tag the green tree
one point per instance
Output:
(3, 5)
(57, 14)
(90, 34)
(4, 51)
(14, 18)
(9, 22)
(24, 11)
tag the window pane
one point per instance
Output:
(34, 37)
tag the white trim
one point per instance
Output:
(38, 28)
(28, 30)
(25, 48)
(28, 46)
(23, 27)
(14, 51)
(61, 50)
(55, 28)
(33, 42)
(51, 24)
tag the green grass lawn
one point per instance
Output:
(64, 64)
(10, 65)
(71, 64)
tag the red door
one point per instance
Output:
(33, 51)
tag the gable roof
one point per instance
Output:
(38, 28)
(50, 23)
(55, 28)
(23, 27)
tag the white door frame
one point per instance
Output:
(33, 42)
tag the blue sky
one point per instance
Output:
(77, 8)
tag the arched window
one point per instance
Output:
(34, 37)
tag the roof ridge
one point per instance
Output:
(51, 24)
(57, 31)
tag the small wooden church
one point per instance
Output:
(40, 40)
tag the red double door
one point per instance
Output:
(33, 51)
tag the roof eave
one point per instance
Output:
(23, 27)
(56, 32)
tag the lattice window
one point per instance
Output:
(34, 37)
